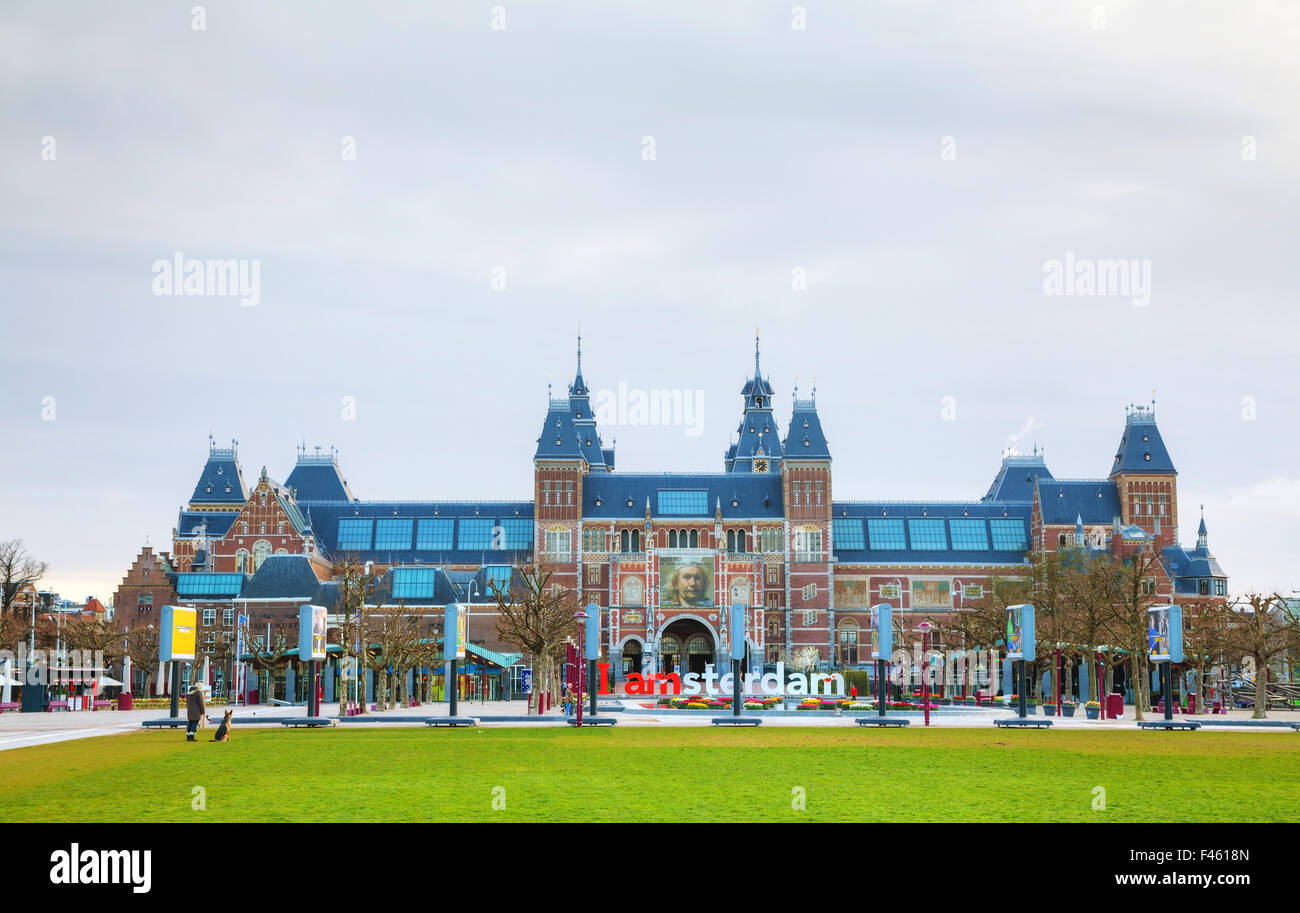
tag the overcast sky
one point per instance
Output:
(664, 174)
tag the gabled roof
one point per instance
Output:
(317, 477)
(755, 496)
(1015, 478)
(805, 440)
(1141, 449)
(283, 577)
(221, 481)
(1064, 501)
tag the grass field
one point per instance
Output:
(660, 774)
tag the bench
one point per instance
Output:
(309, 721)
(451, 721)
(736, 721)
(57, 705)
(1017, 722)
(9, 705)
(164, 722)
(1169, 724)
(593, 721)
(103, 705)
(1295, 726)
(882, 721)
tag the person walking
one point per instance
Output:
(196, 708)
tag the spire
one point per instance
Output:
(757, 373)
(1202, 537)
(579, 387)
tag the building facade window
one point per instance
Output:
(890, 590)
(846, 643)
(773, 574)
(261, 551)
(209, 617)
(144, 602)
(809, 619)
(227, 617)
(557, 543)
(593, 575)
(633, 591)
(241, 561)
(810, 591)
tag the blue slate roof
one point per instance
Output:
(1010, 517)
(283, 577)
(221, 481)
(805, 439)
(757, 434)
(1064, 501)
(317, 477)
(1015, 478)
(559, 437)
(1141, 449)
(218, 523)
(467, 517)
(1188, 567)
(756, 496)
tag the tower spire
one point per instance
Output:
(757, 373)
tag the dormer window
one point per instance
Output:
(578, 414)
(1147, 456)
(220, 471)
(758, 402)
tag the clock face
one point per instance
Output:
(760, 466)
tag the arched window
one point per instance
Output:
(742, 541)
(774, 628)
(1060, 540)
(261, 551)
(672, 538)
(697, 645)
(695, 538)
(624, 541)
(241, 561)
(633, 591)
(731, 540)
(636, 540)
(846, 642)
(740, 591)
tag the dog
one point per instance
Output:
(223, 731)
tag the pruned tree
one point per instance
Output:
(18, 570)
(271, 653)
(1262, 630)
(1129, 584)
(356, 584)
(1207, 641)
(142, 647)
(536, 617)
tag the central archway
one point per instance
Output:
(686, 645)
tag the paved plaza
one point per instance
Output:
(19, 730)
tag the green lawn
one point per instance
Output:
(660, 774)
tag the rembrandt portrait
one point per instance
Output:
(686, 581)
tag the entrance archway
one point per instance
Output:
(686, 645)
(631, 657)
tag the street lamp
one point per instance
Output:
(924, 628)
(469, 613)
(581, 618)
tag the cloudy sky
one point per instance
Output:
(436, 196)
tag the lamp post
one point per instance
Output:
(581, 617)
(924, 628)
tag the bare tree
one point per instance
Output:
(356, 584)
(1262, 630)
(536, 617)
(17, 571)
(1131, 592)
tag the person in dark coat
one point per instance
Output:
(196, 708)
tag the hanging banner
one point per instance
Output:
(453, 632)
(593, 631)
(1165, 634)
(177, 638)
(311, 632)
(1021, 643)
(738, 631)
(882, 631)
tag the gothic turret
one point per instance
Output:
(758, 445)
